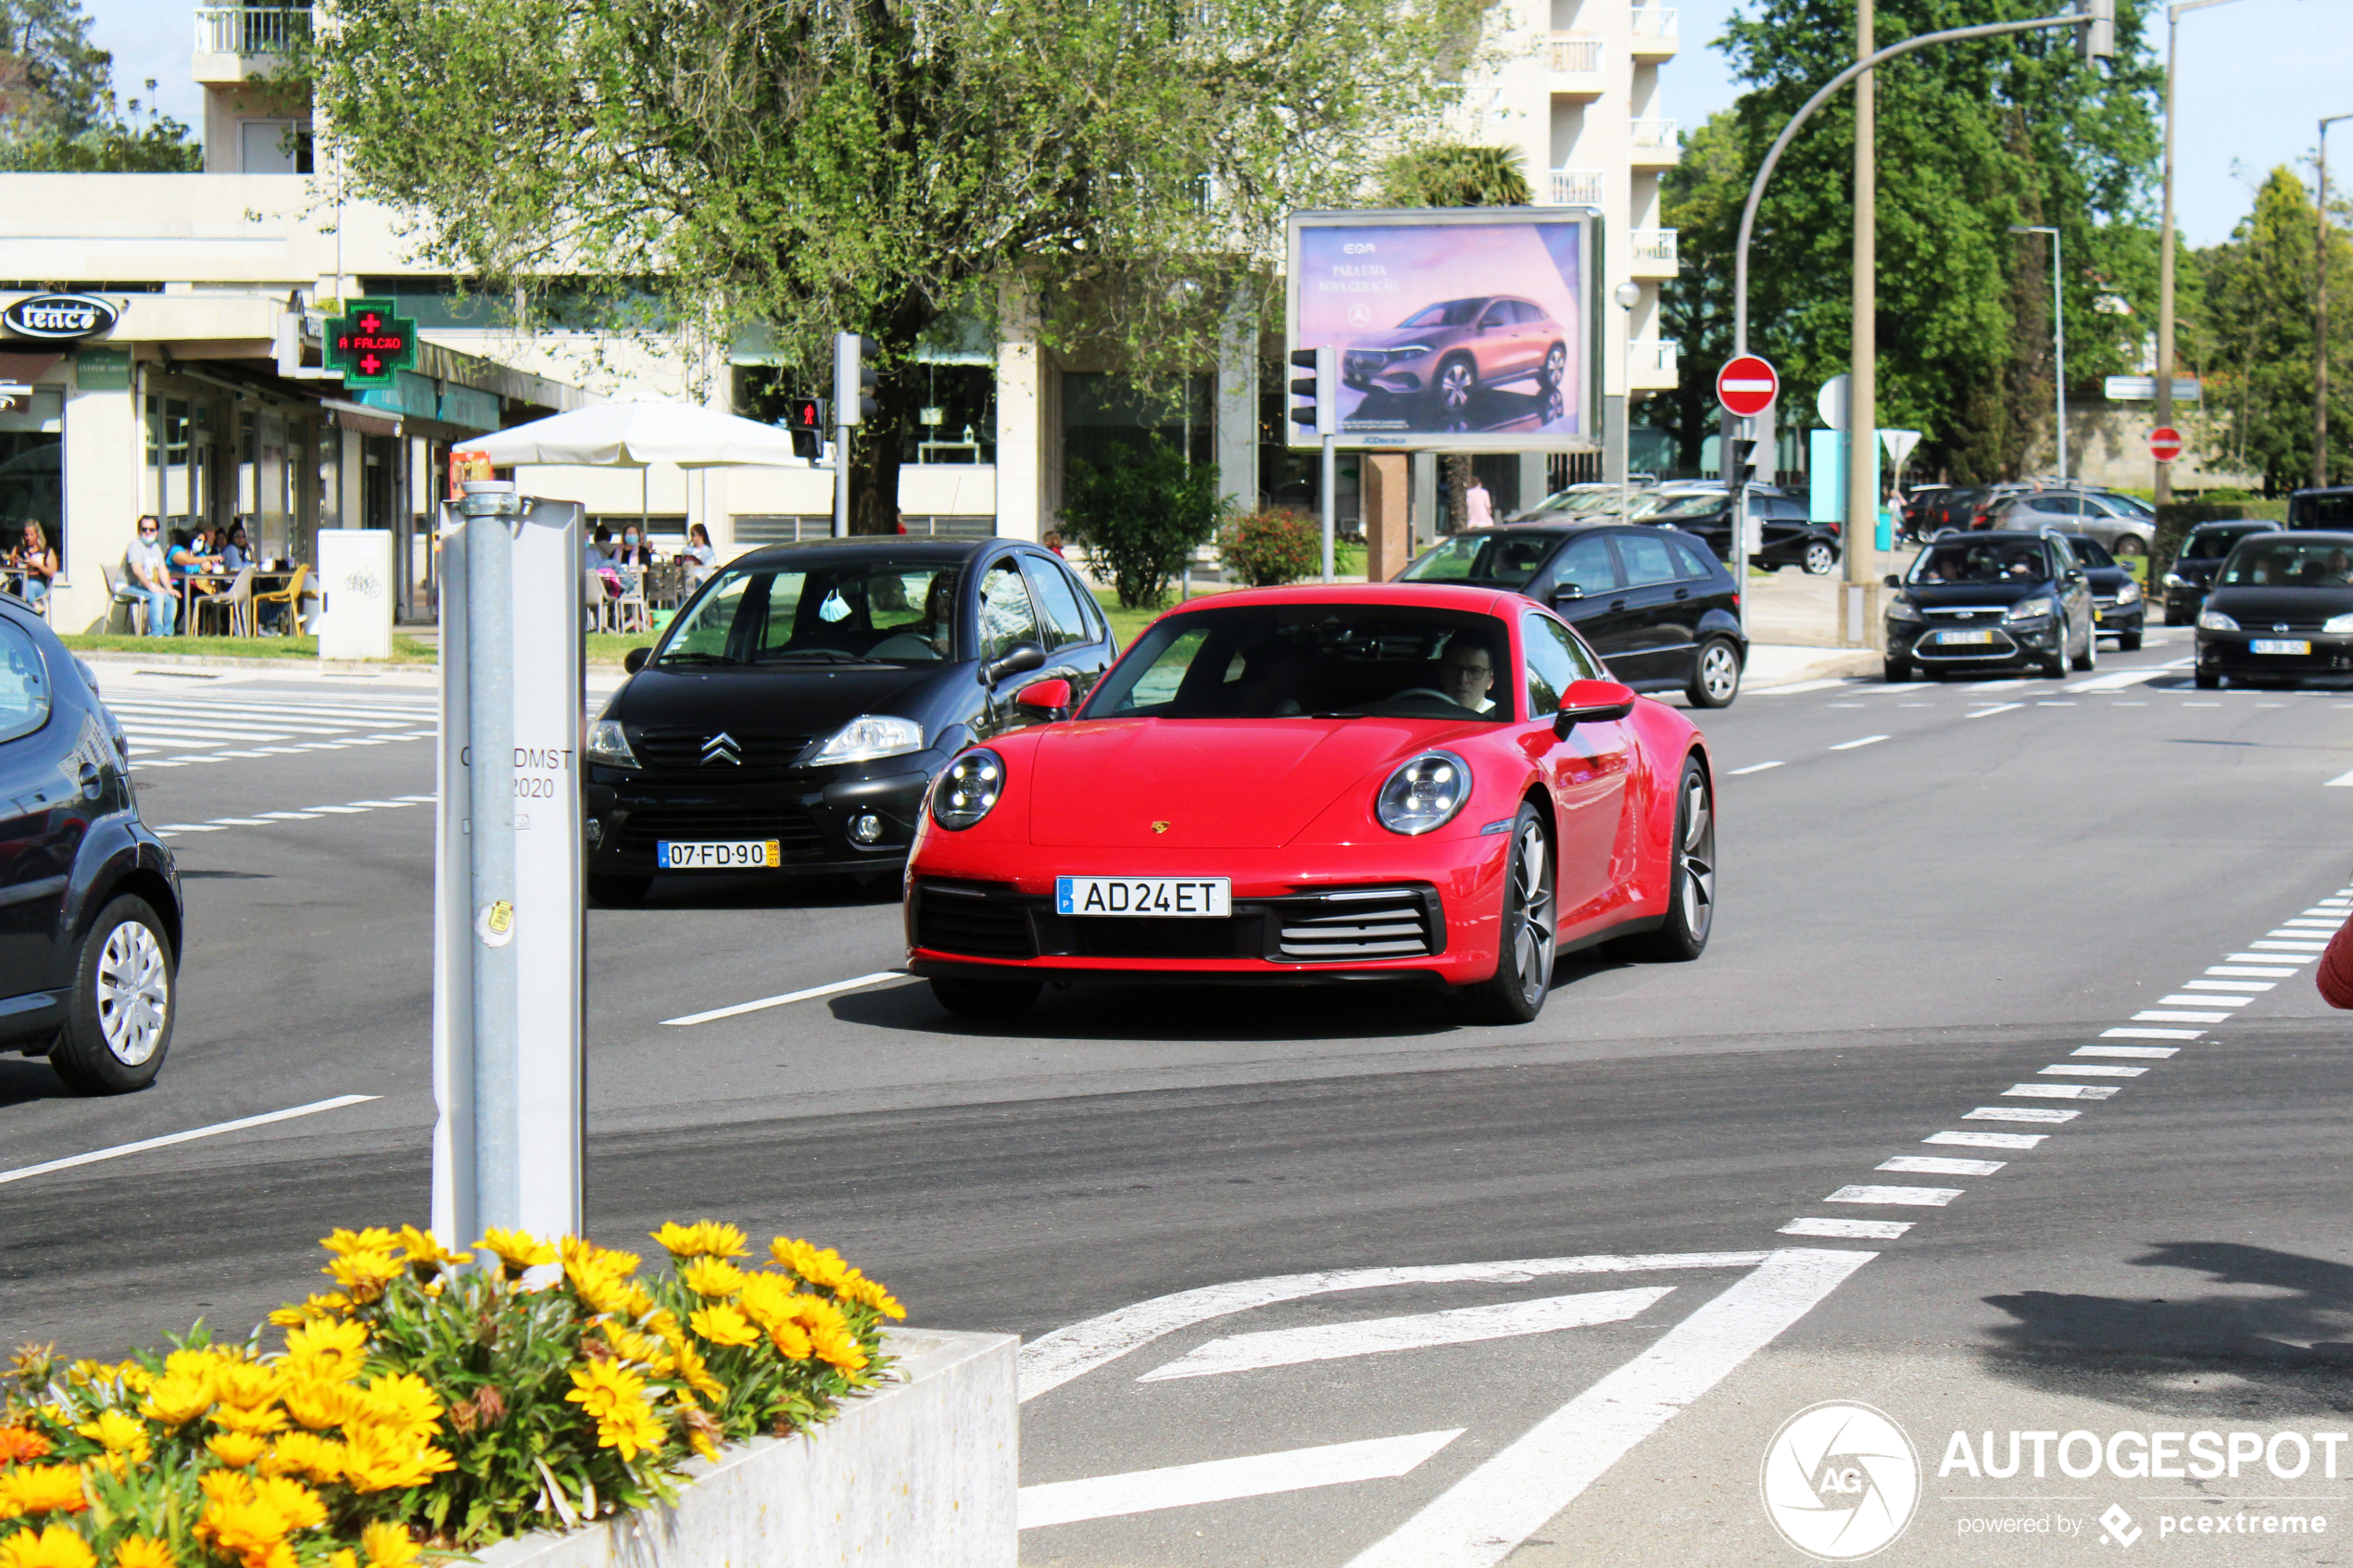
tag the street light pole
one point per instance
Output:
(1862, 397)
(2321, 321)
(2058, 333)
(1627, 294)
(2165, 248)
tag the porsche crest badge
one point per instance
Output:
(1160, 827)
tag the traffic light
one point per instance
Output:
(1320, 413)
(855, 377)
(2096, 40)
(807, 413)
(1744, 470)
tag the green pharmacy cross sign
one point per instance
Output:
(368, 345)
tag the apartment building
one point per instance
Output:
(205, 398)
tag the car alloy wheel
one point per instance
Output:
(1716, 675)
(1555, 368)
(1533, 941)
(1695, 856)
(1455, 383)
(134, 993)
(1820, 559)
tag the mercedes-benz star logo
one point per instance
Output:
(722, 747)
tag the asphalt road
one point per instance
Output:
(1938, 902)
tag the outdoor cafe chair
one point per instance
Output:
(234, 603)
(290, 595)
(120, 596)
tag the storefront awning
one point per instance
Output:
(27, 367)
(366, 421)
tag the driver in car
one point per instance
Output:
(1466, 674)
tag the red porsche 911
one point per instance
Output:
(1402, 782)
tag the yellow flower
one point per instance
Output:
(695, 1371)
(333, 1349)
(364, 1275)
(249, 1520)
(704, 1445)
(814, 1312)
(344, 1243)
(423, 1251)
(21, 1443)
(387, 1546)
(343, 1556)
(176, 1401)
(712, 1276)
(870, 1293)
(838, 1346)
(118, 1433)
(237, 1450)
(791, 1341)
(56, 1547)
(332, 1305)
(819, 1266)
(297, 1504)
(405, 1404)
(319, 1403)
(616, 1397)
(633, 1346)
(706, 1238)
(723, 1325)
(144, 1551)
(378, 1460)
(305, 1454)
(41, 1488)
(767, 1300)
(603, 1294)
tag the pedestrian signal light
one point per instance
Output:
(2098, 39)
(807, 413)
(1320, 387)
(855, 377)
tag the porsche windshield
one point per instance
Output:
(871, 612)
(2281, 563)
(1981, 561)
(1319, 661)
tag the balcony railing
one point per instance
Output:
(1574, 53)
(1654, 24)
(249, 30)
(1577, 187)
(1653, 245)
(1651, 356)
(1654, 136)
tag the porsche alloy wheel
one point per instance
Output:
(1690, 889)
(1526, 934)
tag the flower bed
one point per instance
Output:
(425, 1405)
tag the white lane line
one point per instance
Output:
(420, 799)
(2281, 957)
(289, 815)
(187, 827)
(1939, 1165)
(1794, 687)
(1752, 768)
(2058, 1091)
(384, 805)
(2164, 1015)
(1851, 744)
(1483, 1518)
(2343, 781)
(2320, 920)
(2092, 1069)
(2291, 940)
(2017, 1113)
(1892, 688)
(241, 754)
(2041, 702)
(2248, 971)
(741, 1008)
(1461, 1326)
(1848, 1229)
(1989, 713)
(2194, 1000)
(2010, 684)
(2227, 986)
(240, 821)
(339, 810)
(1985, 1140)
(1221, 1480)
(1908, 1198)
(118, 1150)
(2150, 1034)
(2115, 683)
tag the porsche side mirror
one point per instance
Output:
(1017, 661)
(1049, 697)
(1591, 702)
(634, 660)
(1892, 581)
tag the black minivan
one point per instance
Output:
(1654, 603)
(90, 914)
(791, 718)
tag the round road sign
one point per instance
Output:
(1747, 385)
(2165, 443)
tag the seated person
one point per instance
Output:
(1466, 673)
(932, 637)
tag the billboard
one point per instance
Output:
(1461, 329)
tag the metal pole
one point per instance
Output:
(1331, 498)
(2165, 245)
(2058, 335)
(1862, 405)
(841, 481)
(2321, 321)
(490, 798)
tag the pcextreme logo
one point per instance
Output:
(1840, 1481)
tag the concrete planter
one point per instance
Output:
(921, 1472)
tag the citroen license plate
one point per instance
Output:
(2274, 645)
(1204, 897)
(1964, 639)
(718, 855)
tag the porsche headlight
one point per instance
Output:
(968, 789)
(2215, 620)
(2034, 608)
(608, 741)
(868, 736)
(2129, 593)
(1424, 794)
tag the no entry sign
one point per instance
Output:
(1747, 385)
(2165, 443)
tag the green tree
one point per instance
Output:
(1700, 199)
(1142, 513)
(57, 108)
(805, 166)
(1453, 174)
(1973, 137)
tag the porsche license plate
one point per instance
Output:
(1964, 639)
(718, 855)
(1204, 897)
(2274, 645)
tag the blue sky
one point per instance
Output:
(2256, 75)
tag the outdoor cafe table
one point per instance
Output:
(213, 582)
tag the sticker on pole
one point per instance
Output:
(2165, 443)
(1747, 385)
(495, 924)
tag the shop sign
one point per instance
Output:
(60, 317)
(367, 346)
(103, 369)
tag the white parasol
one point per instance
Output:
(635, 435)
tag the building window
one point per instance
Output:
(33, 451)
(1105, 416)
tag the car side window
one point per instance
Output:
(1555, 660)
(1498, 315)
(1646, 559)
(1586, 565)
(2090, 553)
(1007, 618)
(1694, 561)
(1065, 623)
(2062, 561)
(24, 682)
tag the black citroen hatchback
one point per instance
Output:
(2281, 611)
(90, 914)
(792, 717)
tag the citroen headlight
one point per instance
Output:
(1903, 610)
(2129, 593)
(868, 736)
(2034, 608)
(608, 741)
(2215, 620)
(968, 789)
(1424, 794)
(2339, 625)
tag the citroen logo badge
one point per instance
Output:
(722, 747)
(2279, 625)
(1160, 827)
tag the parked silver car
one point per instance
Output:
(2117, 522)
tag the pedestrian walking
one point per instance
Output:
(1479, 508)
(2335, 975)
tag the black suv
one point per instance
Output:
(90, 915)
(795, 712)
(1993, 601)
(2201, 556)
(1786, 534)
(1661, 612)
